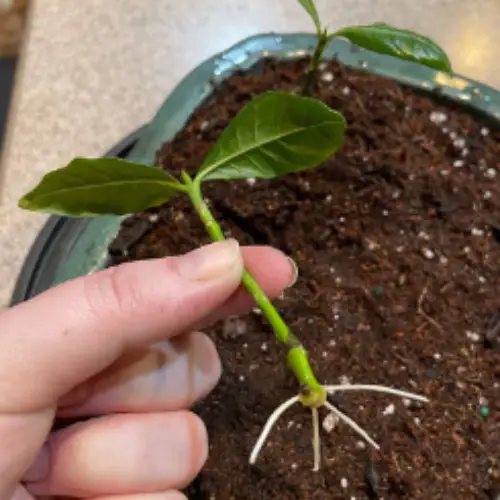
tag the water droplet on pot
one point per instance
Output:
(278, 39)
(363, 64)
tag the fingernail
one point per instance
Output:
(295, 272)
(211, 261)
(40, 468)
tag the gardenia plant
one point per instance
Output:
(275, 134)
(378, 37)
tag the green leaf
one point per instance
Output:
(275, 134)
(310, 8)
(101, 186)
(400, 43)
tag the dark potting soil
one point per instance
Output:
(397, 239)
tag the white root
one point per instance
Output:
(351, 423)
(331, 389)
(269, 425)
(316, 440)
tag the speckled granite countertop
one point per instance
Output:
(93, 71)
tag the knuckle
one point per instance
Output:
(111, 291)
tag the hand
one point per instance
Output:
(113, 349)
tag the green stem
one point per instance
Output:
(313, 394)
(323, 40)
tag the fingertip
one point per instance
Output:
(207, 365)
(199, 451)
(272, 268)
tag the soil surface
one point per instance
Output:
(398, 243)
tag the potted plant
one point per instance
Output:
(396, 246)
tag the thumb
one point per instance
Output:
(72, 332)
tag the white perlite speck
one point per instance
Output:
(344, 483)
(330, 422)
(407, 402)
(423, 235)
(153, 218)
(428, 253)
(475, 231)
(485, 131)
(458, 163)
(389, 410)
(327, 77)
(443, 260)
(437, 356)
(346, 91)
(472, 336)
(491, 173)
(360, 445)
(204, 125)
(344, 380)
(438, 117)
(263, 347)
(459, 143)
(242, 378)
(487, 195)
(250, 181)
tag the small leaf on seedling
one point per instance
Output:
(100, 186)
(404, 44)
(275, 134)
(310, 8)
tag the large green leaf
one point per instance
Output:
(310, 8)
(89, 187)
(404, 44)
(275, 134)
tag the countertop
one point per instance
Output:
(92, 71)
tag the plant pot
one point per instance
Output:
(370, 339)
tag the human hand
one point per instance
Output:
(114, 348)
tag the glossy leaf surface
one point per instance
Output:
(275, 134)
(396, 42)
(101, 186)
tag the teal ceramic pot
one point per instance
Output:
(67, 248)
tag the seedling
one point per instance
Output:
(378, 37)
(275, 134)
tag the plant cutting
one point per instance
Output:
(378, 37)
(276, 134)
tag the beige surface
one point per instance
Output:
(95, 70)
